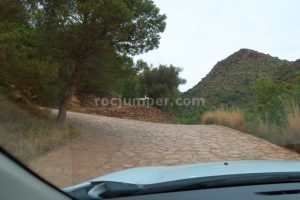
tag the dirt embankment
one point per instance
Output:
(91, 104)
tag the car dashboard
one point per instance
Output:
(287, 191)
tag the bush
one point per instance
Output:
(234, 119)
(189, 115)
(161, 82)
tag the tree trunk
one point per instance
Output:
(70, 91)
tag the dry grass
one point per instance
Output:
(234, 119)
(292, 112)
(265, 130)
(28, 132)
(286, 134)
(291, 131)
(263, 127)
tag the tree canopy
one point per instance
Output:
(161, 82)
(55, 48)
(78, 31)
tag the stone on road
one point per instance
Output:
(107, 144)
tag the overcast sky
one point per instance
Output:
(199, 33)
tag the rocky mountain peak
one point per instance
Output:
(242, 54)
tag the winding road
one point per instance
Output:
(107, 144)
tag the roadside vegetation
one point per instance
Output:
(51, 51)
(28, 132)
(189, 115)
(276, 116)
(231, 118)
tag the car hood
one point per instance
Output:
(154, 175)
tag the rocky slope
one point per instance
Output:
(230, 81)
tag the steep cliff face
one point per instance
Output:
(230, 81)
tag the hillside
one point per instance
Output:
(230, 81)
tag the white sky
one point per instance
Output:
(201, 32)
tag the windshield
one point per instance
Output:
(89, 88)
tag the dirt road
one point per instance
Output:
(111, 144)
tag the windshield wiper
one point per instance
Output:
(116, 189)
